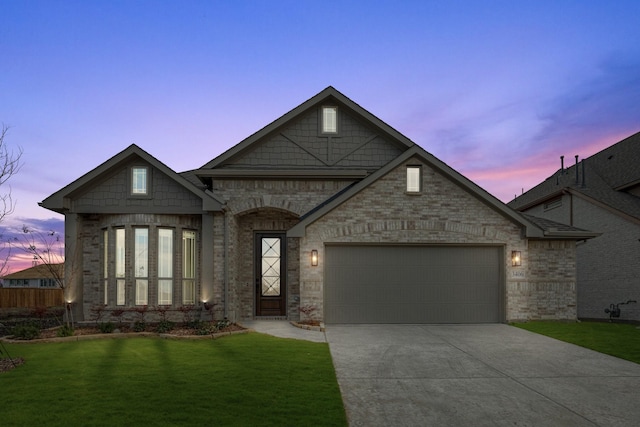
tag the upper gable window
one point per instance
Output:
(139, 180)
(414, 174)
(329, 119)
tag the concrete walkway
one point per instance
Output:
(283, 329)
(471, 375)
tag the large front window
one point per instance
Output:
(147, 266)
(165, 266)
(188, 267)
(120, 267)
(141, 265)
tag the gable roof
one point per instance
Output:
(41, 271)
(530, 228)
(56, 201)
(330, 94)
(601, 179)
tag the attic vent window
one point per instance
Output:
(139, 181)
(552, 204)
(413, 179)
(329, 119)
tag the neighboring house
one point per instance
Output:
(39, 276)
(327, 207)
(599, 193)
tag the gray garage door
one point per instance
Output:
(413, 284)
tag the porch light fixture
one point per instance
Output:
(516, 259)
(314, 258)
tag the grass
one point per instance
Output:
(241, 380)
(616, 339)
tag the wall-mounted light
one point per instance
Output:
(207, 305)
(314, 258)
(516, 259)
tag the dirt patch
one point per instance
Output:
(9, 364)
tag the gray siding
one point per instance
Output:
(113, 196)
(300, 145)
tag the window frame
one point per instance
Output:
(141, 264)
(165, 268)
(336, 120)
(410, 187)
(189, 266)
(134, 191)
(121, 265)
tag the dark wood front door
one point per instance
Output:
(270, 273)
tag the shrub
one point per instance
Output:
(193, 324)
(65, 331)
(205, 329)
(139, 326)
(26, 331)
(106, 327)
(164, 326)
(221, 324)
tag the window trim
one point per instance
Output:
(189, 270)
(168, 278)
(143, 193)
(336, 123)
(409, 188)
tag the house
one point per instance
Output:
(38, 276)
(328, 209)
(601, 192)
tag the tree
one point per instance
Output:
(10, 164)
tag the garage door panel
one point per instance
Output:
(412, 284)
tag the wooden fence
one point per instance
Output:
(30, 297)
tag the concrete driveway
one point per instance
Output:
(478, 375)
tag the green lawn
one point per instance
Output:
(615, 339)
(241, 380)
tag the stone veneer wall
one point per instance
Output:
(263, 205)
(442, 214)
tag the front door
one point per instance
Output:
(270, 273)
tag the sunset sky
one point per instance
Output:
(496, 89)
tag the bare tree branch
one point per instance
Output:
(10, 164)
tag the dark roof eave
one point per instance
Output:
(570, 235)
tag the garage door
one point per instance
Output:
(413, 284)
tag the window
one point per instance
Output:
(551, 204)
(165, 266)
(120, 267)
(105, 264)
(188, 267)
(329, 119)
(139, 180)
(141, 264)
(413, 179)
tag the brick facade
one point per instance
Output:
(444, 214)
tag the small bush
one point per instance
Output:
(139, 326)
(221, 324)
(27, 331)
(106, 327)
(205, 329)
(65, 331)
(193, 324)
(164, 326)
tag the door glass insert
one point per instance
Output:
(270, 266)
